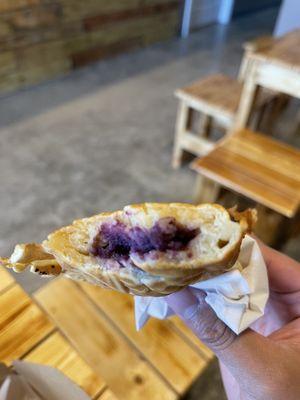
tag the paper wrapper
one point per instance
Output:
(238, 297)
(28, 381)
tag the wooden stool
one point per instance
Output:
(255, 166)
(217, 99)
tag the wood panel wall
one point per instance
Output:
(40, 39)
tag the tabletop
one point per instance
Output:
(284, 51)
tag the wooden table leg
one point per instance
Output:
(259, 117)
(205, 125)
(278, 105)
(268, 224)
(247, 99)
(296, 130)
(180, 129)
(206, 190)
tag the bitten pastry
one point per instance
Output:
(149, 249)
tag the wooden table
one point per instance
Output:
(277, 68)
(92, 339)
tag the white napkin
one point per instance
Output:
(238, 296)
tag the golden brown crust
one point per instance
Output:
(34, 256)
(67, 250)
(70, 247)
(247, 217)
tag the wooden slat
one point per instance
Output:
(42, 60)
(196, 145)
(141, 11)
(157, 341)
(76, 10)
(9, 5)
(44, 16)
(127, 374)
(191, 337)
(22, 324)
(277, 159)
(267, 174)
(103, 51)
(5, 279)
(37, 37)
(56, 352)
(109, 40)
(258, 191)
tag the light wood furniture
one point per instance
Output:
(159, 362)
(251, 164)
(216, 98)
(276, 67)
(27, 333)
(93, 341)
(260, 168)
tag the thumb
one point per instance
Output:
(245, 355)
(192, 308)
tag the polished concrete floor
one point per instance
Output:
(102, 137)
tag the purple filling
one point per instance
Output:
(115, 240)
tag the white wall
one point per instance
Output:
(198, 13)
(225, 11)
(204, 12)
(288, 17)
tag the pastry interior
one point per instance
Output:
(117, 245)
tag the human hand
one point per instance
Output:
(262, 363)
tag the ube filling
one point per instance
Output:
(115, 240)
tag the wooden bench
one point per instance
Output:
(216, 98)
(27, 333)
(92, 339)
(255, 166)
(159, 362)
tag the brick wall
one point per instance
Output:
(40, 39)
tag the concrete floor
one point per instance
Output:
(102, 137)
